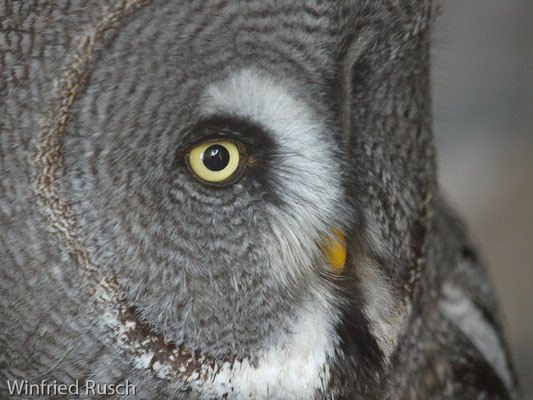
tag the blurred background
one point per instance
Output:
(483, 110)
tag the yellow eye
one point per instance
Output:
(216, 161)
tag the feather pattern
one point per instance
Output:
(117, 265)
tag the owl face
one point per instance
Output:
(233, 199)
(207, 178)
(211, 203)
(228, 258)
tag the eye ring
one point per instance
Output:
(216, 162)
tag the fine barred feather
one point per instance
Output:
(120, 265)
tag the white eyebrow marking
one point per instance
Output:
(308, 157)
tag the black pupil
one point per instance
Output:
(216, 157)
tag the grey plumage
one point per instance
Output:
(117, 264)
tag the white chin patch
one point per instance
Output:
(294, 368)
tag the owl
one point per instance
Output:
(232, 199)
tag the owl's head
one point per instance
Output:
(253, 180)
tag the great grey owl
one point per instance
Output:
(232, 199)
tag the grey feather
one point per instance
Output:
(118, 265)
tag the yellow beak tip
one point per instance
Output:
(335, 251)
